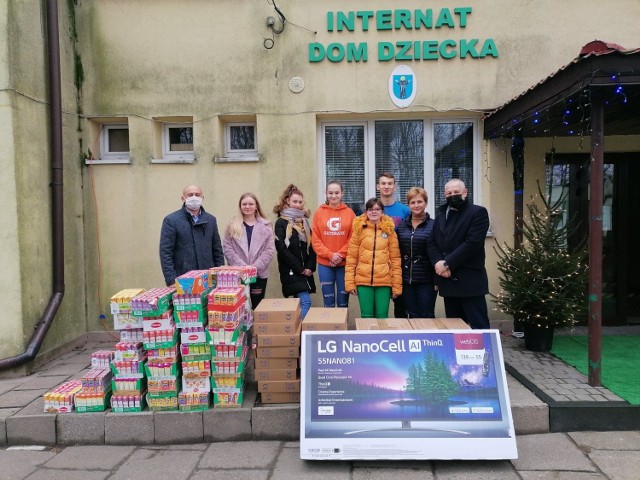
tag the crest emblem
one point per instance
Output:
(402, 86)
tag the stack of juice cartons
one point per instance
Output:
(160, 340)
(227, 309)
(61, 399)
(123, 319)
(276, 341)
(96, 390)
(190, 313)
(128, 384)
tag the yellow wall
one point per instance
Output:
(206, 60)
(25, 242)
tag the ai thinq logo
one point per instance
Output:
(415, 346)
(402, 86)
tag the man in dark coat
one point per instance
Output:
(456, 250)
(189, 239)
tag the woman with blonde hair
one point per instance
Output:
(296, 257)
(373, 269)
(331, 232)
(248, 240)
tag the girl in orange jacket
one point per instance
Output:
(373, 270)
(331, 230)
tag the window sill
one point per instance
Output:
(173, 160)
(232, 159)
(108, 161)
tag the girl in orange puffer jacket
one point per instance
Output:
(373, 270)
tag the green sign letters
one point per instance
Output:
(401, 50)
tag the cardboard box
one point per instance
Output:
(325, 319)
(163, 323)
(279, 386)
(287, 397)
(383, 324)
(290, 340)
(277, 310)
(126, 321)
(276, 328)
(438, 324)
(278, 352)
(275, 374)
(275, 363)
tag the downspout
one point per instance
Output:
(57, 230)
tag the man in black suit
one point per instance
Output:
(456, 250)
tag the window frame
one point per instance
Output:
(240, 154)
(105, 153)
(186, 156)
(370, 179)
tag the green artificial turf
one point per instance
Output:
(620, 361)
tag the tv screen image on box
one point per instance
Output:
(405, 383)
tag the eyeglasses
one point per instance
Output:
(374, 210)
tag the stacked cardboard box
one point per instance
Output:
(190, 315)
(128, 382)
(325, 319)
(438, 324)
(129, 325)
(227, 334)
(383, 324)
(96, 390)
(160, 337)
(276, 342)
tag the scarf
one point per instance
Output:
(296, 219)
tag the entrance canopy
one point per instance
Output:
(560, 105)
(596, 95)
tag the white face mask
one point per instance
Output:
(193, 203)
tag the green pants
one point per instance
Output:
(374, 301)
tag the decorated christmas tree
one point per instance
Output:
(542, 283)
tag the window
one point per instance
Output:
(107, 141)
(422, 152)
(241, 141)
(114, 142)
(178, 142)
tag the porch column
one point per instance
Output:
(595, 239)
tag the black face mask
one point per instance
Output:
(454, 201)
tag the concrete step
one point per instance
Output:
(30, 426)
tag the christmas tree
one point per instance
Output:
(543, 283)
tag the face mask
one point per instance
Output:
(193, 203)
(454, 201)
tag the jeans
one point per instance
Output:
(419, 299)
(305, 302)
(332, 285)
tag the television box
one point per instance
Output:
(278, 352)
(286, 340)
(438, 324)
(279, 386)
(275, 363)
(383, 324)
(285, 397)
(276, 328)
(325, 319)
(275, 374)
(277, 310)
